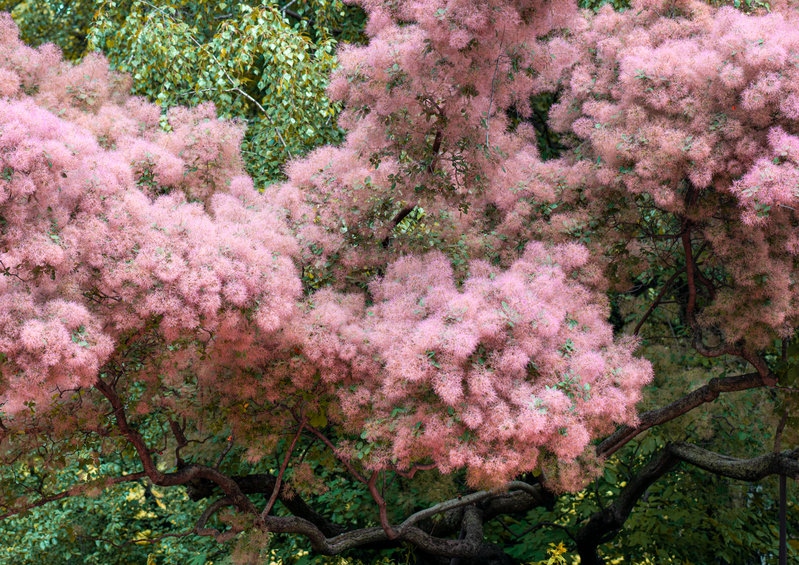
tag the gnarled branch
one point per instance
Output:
(605, 523)
(704, 394)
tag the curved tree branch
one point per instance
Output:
(315, 527)
(754, 469)
(603, 524)
(279, 480)
(75, 490)
(212, 509)
(657, 300)
(704, 394)
(535, 492)
(470, 546)
(262, 483)
(182, 475)
(518, 497)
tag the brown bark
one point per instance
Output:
(604, 524)
(702, 395)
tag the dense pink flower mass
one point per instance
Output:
(511, 363)
(435, 327)
(110, 225)
(509, 370)
(692, 111)
(426, 106)
(430, 296)
(470, 347)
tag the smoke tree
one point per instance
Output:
(682, 120)
(426, 301)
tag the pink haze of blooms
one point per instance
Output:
(450, 343)
(469, 349)
(680, 111)
(110, 225)
(696, 114)
(453, 336)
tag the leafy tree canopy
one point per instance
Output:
(258, 61)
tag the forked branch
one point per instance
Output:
(605, 523)
(702, 395)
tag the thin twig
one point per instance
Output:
(410, 473)
(359, 477)
(231, 438)
(382, 509)
(75, 490)
(656, 302)
(493, 86)
(281, 473)
(287, 6)
(7, 272)
(778, 432)
(220, 537)
(545, 524)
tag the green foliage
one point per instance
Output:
(597, 4)
(749, 6)
(259, 62)
(557, 555)
(118, 527)
(66, 24)
(120, 524)
(253, 64)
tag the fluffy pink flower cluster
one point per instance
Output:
(511, 370)
(452, 339)
(426, 106)
(505, 363)
(694, 110)
(108, 225)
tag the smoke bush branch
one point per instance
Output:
(471, 510)
(182, 475)
(472, 544)
(656, 301)
(754, 469)
(702, 395)
(279, 480)
(75, 490)
(352, 470)
(201, 530)
(604, 524)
